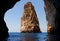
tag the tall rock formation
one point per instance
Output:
(29, 20)
(52, 9)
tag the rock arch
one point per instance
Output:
(52, 9)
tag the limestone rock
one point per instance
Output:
(29, 20)
(52, 9)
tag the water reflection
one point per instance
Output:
(33, 37)
(53, 38)
(28, 37)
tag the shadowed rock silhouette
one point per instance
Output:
(4, 6)
(52, 9)
(53, 37)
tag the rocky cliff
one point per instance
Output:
(29, 20)
(4, 6)
(52, 9)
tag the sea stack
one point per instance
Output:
(29, 20)
(52, 9)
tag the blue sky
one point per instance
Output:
(13, 16)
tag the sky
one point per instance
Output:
(13, 16)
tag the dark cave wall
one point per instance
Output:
(4, 6)
(52, 9)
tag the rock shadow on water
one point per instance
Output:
(32, 37)
(28, 38)
(3, 39)
(53, 38)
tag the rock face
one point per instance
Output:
(52, 9)
(5, 5)
(51, 37)
(29, 20)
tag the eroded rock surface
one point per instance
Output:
(52, 9)
(29, 20)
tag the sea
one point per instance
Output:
(16, 36)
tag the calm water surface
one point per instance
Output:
(27, 37)
(15, 36)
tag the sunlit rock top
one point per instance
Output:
(29, 20)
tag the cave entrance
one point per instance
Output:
(13, 16)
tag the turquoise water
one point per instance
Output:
(15, 36)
